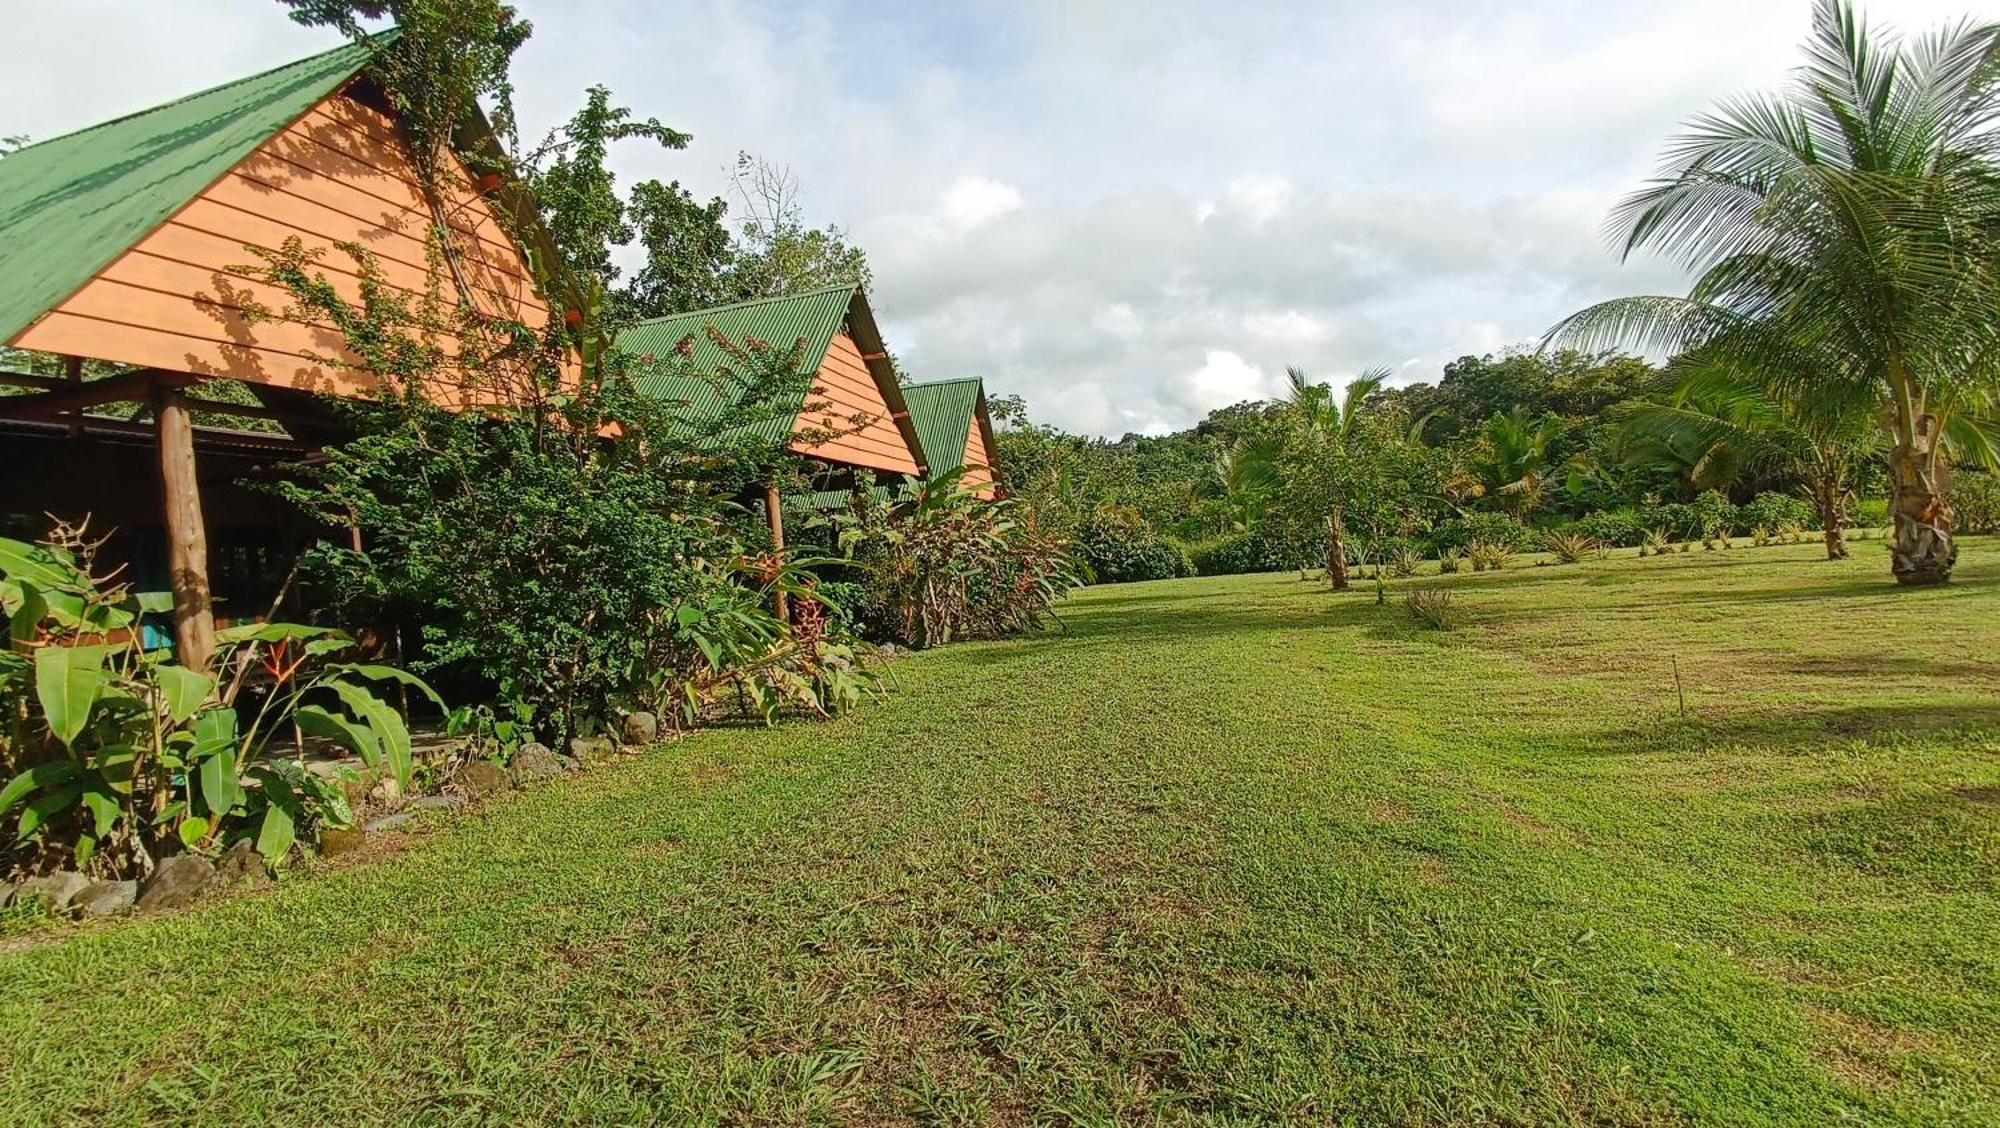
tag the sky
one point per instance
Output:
(1129, 213)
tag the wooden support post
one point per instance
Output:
(187, 535)
(73, 375)
(776, 515)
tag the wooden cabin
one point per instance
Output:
(853, 417)
(119, 245)
(956, 431)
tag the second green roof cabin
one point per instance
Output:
(955, 431)
(852, 418)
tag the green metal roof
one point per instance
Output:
(71, 205)
(943, 412)
(814, 317)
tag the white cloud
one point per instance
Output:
(1223, 378)
(1127, 220)
(973, 200)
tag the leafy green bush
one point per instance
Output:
(1119, 547)
(1620, 528)
(947, 565)
(1706, 517)
(1772, 510)
(1242, 554)
(118, 756)
(1494, 529)
(1975, 498)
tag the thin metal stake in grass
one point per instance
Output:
(1679, 693)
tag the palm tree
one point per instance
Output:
(1324, 430)
(1842, 236)
(1720, 427)
(1511, 463)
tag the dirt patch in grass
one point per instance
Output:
(1862, 1052)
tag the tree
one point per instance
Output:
(1324, 460)
(1842, 235)
(1512, 460)
(777, 253)
(1720, 425)
(690, 254)
(575, 189)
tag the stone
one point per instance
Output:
(569, 763)
(241, 865)
(386, 792)
(175, 882)
(55, 890)
(335, 841)
(531, 762)
(106, 898)
(480, 779)
(396, 821)
(640, 729)
(437, 803)
(590, 749)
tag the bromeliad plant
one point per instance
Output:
(115, 755)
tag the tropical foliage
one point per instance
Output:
(116, 756)
(1842, 237)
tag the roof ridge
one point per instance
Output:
(747, 303)
(376, 42)
(941, 383)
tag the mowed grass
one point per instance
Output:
(1230, 850)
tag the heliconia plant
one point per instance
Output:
(115, 755)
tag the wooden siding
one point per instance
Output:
(846, 399)
(978, 463)
(338, 174)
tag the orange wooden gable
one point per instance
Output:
(978, 464)
(847, 400)
(338, 174)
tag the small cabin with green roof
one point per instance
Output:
(120, 245)
(956, 431)
(853, 416)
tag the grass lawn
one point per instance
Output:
(1230, 850)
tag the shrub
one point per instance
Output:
(1241, 554)
(948, 565)
(119, 756)
(1403, 563)
(1975, 498)
(1481, 528)
(1621, 528)
(1448, 562)
(1119, 547)
(1434, 609)
(1774, 510)
(1871, 513)
(1655, 543)
(1489, 555)
(1570, 547)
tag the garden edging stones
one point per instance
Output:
(177, 881)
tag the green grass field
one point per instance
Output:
(1229, 850)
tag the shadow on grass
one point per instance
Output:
(1798, 731)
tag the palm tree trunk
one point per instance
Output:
(1336, 551)
(1922, 552)
(1829, 498)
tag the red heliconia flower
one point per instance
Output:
(490, 183)
(573, 317)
